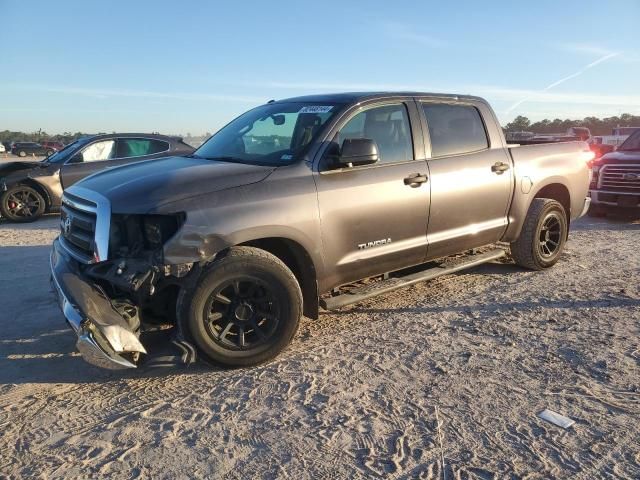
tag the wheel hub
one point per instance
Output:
(243, 312)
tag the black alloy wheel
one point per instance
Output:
(550, 235)
(543, 235)
(244, 309)
(22, 204)
(242, 314)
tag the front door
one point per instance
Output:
(471, 182)
(91, 159)
(373, 217)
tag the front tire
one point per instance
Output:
(22, 153)
(245, 309)
(543, 235)
(22, 204)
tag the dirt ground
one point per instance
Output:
(356, 394)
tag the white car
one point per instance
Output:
(2, 149)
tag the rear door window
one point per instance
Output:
(454, 129)
(139, 147)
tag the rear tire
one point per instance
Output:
(543, 235)
(22, 204)
(22, 153)
(245, 309)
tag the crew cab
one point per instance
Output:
(283, 211)
(616, 179)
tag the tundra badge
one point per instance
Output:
(375, 243)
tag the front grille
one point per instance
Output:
(85, 222)
(620, 178)
(78, 227)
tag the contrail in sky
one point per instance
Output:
(568, 77)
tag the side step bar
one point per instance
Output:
(359, 294)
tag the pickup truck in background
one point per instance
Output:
(596, 144)
(284, 210)
(615, 183)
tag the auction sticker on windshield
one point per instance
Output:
(316, 109)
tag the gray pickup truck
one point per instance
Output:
(287, 208)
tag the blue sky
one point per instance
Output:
(189, 67)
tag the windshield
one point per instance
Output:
(631, 143)
(62, 155)
(273, 134)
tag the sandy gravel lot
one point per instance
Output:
(355, 396)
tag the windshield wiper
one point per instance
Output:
(225, 158)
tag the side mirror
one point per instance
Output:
(358, 151)
(77, 158)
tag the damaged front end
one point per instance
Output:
(108, 273)
(108, 332)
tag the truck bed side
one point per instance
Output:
(553, 170)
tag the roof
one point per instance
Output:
(354, 97)
(134, 135)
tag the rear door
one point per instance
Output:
(372, 220)
(471, 177)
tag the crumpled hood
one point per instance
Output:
(140, 187)
(10, 167)
(619, 156)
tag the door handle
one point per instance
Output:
(499, 167)
(415, 180)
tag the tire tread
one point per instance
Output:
(250, 256)
(522, 250)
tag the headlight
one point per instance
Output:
(131, 234)
(160, 228)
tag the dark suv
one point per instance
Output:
(29, 189)
(22, 149)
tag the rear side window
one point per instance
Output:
(454, 129)
(138, 147)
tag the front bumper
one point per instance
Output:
(104, 337)
(615, 199)
(585, 207)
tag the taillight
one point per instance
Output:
(588, 157)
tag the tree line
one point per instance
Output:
(7, 136)
(597, 126)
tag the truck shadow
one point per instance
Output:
(612, 222)
(36, 346)
(490, 309)
(51, 357)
